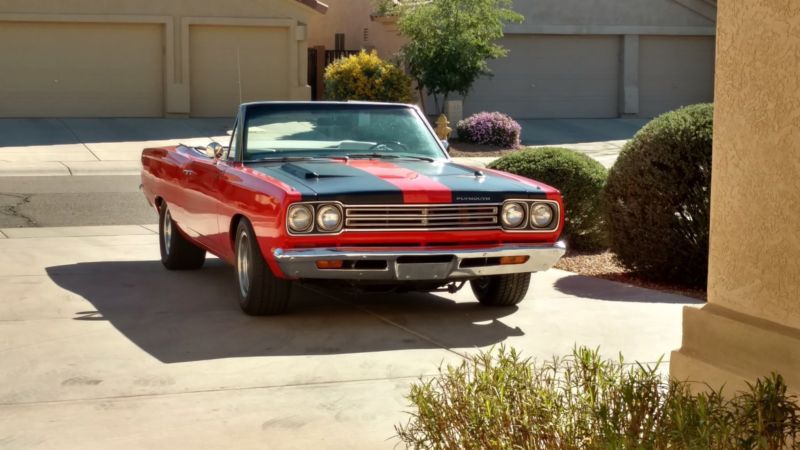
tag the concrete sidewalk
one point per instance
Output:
(36, 147)
(102, 347)
(47, 147)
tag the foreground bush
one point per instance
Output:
(657, 198)
(490, 128)
(585, 402)
(366, 77)
(580, 180)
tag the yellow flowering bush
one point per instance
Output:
(365, 76)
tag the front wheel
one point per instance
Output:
(260, 292)
(177, 252)
(501, 290)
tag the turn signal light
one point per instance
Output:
(509, 260)
(332, 264)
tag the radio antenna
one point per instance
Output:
(239, 71)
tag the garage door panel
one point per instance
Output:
(552, 76)
(675, 71)
(81, 70)
(231, 64)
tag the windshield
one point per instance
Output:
(337, 130)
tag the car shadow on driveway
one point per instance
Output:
(612, 291)
(193, 315)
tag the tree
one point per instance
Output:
(451, 42)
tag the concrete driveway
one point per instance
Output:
(103, 348)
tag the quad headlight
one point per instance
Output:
(541, 215)
(300, 218)
(306, 218)
(329, 218)
(513, 215)
(529, 215)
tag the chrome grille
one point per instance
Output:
(421, 217)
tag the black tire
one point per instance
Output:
(177, 252)
(501, 290)
(260, 291)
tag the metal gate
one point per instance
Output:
(318, 60)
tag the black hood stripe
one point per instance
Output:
(333, 181)
(338, 181)
(468, 187)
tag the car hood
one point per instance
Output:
(374, 181)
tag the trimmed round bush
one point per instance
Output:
(365, 76)
(580, 180)
(490, 128)
(657, 198)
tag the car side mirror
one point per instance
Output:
(445, 144)
(215, 150)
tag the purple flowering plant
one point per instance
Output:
(490, 128)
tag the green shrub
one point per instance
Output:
(584, 402)
(580, 180)
(657, 198)
(365, 76)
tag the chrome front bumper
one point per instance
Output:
(403, 264)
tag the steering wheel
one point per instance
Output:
(389, 144)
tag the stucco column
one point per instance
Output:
(751, 325)
(300, 90)
(630, 74)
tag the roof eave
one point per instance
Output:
(316, 5)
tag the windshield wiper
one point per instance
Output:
(388, 156)
(296, 159)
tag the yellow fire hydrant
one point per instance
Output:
(442, 128)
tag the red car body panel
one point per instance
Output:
(206, 196)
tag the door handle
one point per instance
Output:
(188, 172)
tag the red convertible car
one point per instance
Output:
(362, 194)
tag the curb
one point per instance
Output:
(81, 231)
(74, 168)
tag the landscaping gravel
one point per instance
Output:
(604, 265)
(465, 149)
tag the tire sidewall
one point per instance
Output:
(244, 228)
(165, 252)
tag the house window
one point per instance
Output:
(339, 41)
(366, 34)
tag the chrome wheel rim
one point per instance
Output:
(243, 264)
(167, 230)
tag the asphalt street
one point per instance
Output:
(72, 201)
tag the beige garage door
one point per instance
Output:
(552, 76)
(230, 65)
(80, 70)
(674, 71)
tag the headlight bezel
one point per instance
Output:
(315, 229)
(522, 223)
(321, 209)
(311, 218)
(528, 225)
(533, 208)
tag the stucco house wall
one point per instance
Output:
(572, 58)
(354, 19)
(751, 325)
(79, 58)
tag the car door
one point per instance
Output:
(201, 177)
(228, 176)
